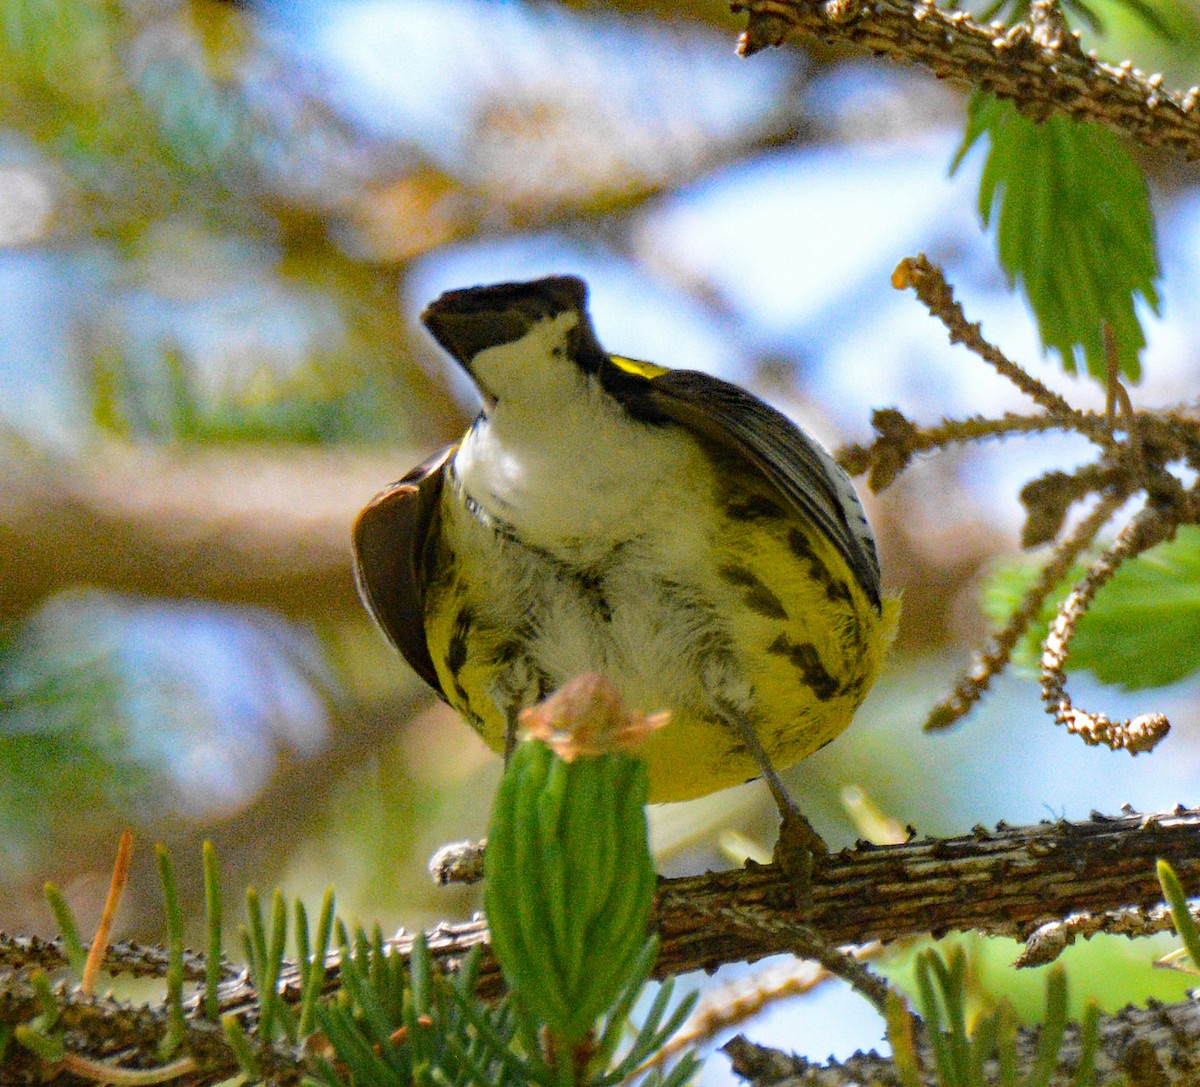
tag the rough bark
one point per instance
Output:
(1011, 881)
(1042, 73)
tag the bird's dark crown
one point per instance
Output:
(473, 319)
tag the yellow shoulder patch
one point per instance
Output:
(648, 370)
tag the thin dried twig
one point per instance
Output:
(990, 661)
(738, 1001)
(929, 283)
(900, 439)
(1172, 434)
(1135, 735)
(805, 942)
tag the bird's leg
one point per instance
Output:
(463, 862)
(799, 843)
(511, 718)
(517, 685)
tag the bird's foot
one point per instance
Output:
(797, 852)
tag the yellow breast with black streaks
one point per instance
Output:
(756, 610)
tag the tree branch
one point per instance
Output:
(1010, 881)
(1006, 882)
(239, 526)
(1040, 75)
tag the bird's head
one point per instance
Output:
(526, 342)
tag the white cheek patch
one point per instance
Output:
(534, 370)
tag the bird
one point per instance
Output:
(661, 527)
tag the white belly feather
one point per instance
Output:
(601, 496)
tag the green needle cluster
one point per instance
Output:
(569, 882)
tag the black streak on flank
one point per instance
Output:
(801, 547)
(456, 652)
(592, 585)
(805, 659)
(758, 597)
(753, 507)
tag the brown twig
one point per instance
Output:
(929, 283)
(726, 1006)
(805, 942)
(899, 440)
(1041, 78)
(1045, 944)
(990, 661)
(23, 953)
(1135, 735)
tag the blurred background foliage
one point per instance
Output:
(218, 222)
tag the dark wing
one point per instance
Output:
(389, 538)
(804, 473)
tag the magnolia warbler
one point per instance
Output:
(661, 527)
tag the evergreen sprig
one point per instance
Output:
(393, 1019)
(395, 1025)
(569, 883)
(961, 1054)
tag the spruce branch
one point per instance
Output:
(1006, 882)
(1093, 876)
(1009, 881)
(1042, 74)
